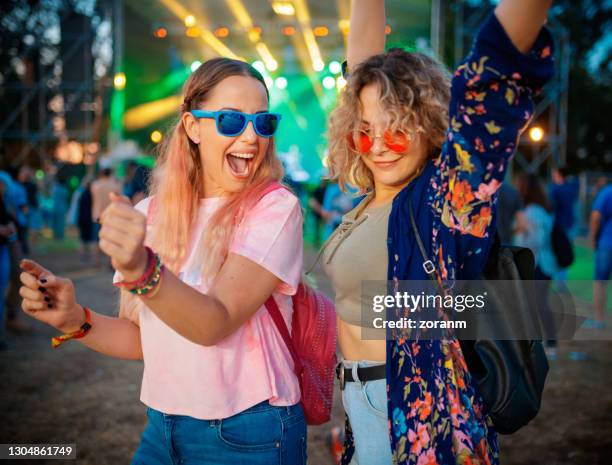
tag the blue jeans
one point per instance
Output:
(366, 407)
(262, 434)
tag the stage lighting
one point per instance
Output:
(190, 21)
(340, 83)
(195, 65)
(160, 32)
(222, 32)
(387, 29)
(193, 32)
(536, 134)
(283, 8)
(259, 66)
(318, 65)
(281, 82)
(335, 67)
(119, 81)
(288, 31)
(321, 31)
(329, 82)
(156, 137)
(269, 81)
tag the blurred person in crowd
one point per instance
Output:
(563, 196)
(84, 220)
(535, 234)
(600, 234)
(135, 181)
(8, 233)
(510, 216)
(336, 203)
(60, 195)
(101, 189)
(26, 179)
(319, 214)
(15, 200)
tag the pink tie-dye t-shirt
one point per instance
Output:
(251, 365)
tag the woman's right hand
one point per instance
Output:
(49, 298)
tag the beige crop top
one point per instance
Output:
(356, 252)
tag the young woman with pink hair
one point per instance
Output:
(196, 262)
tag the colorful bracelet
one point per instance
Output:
(153, 292)
(146, 275)
(78, 334)
(153, 282)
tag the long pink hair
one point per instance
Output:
(177, 186)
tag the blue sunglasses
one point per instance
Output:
(232, 123)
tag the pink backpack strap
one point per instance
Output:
(280, 324)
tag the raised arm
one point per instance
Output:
(522, 20)
(367, 31)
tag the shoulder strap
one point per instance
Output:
(273, 309)
(428, 265)
(280, 324)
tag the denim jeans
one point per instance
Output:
(262, 434)
(366, 406)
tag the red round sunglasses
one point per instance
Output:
(362, 142)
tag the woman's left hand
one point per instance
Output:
(122, 237)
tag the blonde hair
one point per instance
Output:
(415, 92)
(177, 186)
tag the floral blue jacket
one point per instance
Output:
(436, 415)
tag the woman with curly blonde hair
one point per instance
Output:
(416, 140)
(218, 378)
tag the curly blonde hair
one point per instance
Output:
(415, 91)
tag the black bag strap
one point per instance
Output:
(428, 265)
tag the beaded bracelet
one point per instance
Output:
(153, 282)
(146, 275)
(152, 293)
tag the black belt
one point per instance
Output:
(345, 375)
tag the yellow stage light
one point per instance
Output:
(536, 133)
(156, 137)
(190, 21)
(283, 8)
(222, 32)
(119, 81)
(321, 31)
(193, 32)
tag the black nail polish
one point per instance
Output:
(43, 280)
(47, 299)
(42, 289)
(50, 305)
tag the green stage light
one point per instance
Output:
(329, 82)
(195, 65)
(281, 82)
(269, 81)
(335, 67)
